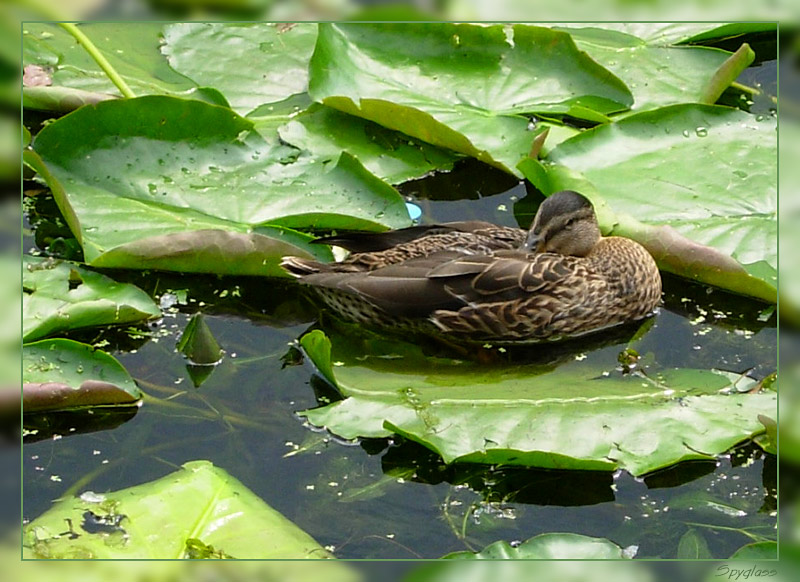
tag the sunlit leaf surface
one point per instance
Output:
(709, 172)
(251, 64)
(156, 520)
(464, 87)
(657, 75)
(208, 193)
(572, 417)
(132, 50)
(388, 154)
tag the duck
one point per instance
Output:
(474, 281)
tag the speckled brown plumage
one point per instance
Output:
(480, 282)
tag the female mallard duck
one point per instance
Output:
(481, 282)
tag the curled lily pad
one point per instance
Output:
(60, 296)
(198, 343)
(61, 374)
(573, 417)
(198, 506)
(208, 193)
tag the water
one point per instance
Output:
(385, 499)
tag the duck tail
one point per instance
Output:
(298, 267)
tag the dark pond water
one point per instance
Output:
(389, 498)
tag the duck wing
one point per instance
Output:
(516, 296)
(451, 281)
(402, 289)
(368, 242)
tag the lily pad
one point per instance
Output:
(465, 87)
(388, 154)
(707, 172)
(165, 183)
(573, 417)
(60, 296)
(61, 374)
(567, 570)
(133, 51)
(178, 570)
(549, 546)
(197, 506)
(661, 75)
(251, 64)
(60, 99)
(661, 34)
(767, 550)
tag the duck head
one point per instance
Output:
(565, 224)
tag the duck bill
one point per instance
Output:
(533, 243)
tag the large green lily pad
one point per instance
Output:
(251, 64)
(61, 374)
(661, 33)
(661, 75)
(573, 417)
(388, 154)
(464, 87)
(199, 506)
(166, 183)
(549, 546)
(707, 172)
(60, 296)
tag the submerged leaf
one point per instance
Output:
(693, 546)
(767, 550)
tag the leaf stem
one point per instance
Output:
(95, 53)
